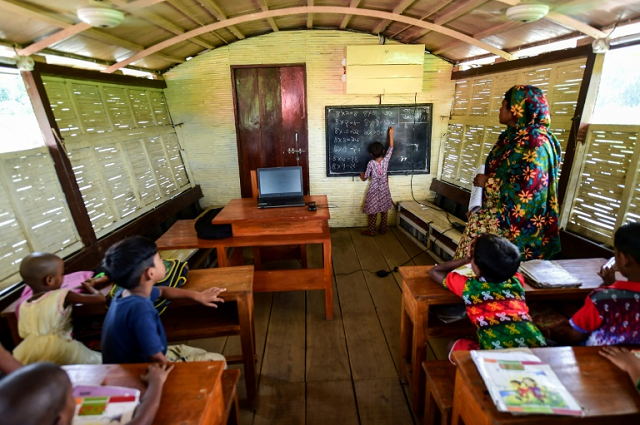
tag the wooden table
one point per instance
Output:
(254, 227)
(183, 320)
(192, 393)
(419, 293)
(606, 394)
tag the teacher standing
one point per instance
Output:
(520, 182)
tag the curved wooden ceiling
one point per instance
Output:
(158, 34)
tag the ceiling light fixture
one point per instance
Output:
(527, 12)
(102, 17)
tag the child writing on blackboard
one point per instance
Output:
(378, 199)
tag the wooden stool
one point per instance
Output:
(230, 379)
(438, 404)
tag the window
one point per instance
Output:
(123, 149)
(20, 129)
(607, 192)
(474, 128)
(34, 215)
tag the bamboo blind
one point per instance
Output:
(200, 94)
(608, 193)
(473, 128)
(125, 153)
(34, 215)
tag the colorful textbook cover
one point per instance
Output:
(97, 404)
(519, 383)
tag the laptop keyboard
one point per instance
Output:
(283, 201)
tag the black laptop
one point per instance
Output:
(280, 187)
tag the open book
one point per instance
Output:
(548, 274)
(475, 200)
(97, 404)
(519, 382)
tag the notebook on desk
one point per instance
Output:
(280, 187)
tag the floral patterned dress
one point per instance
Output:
(378, 199)
(520, 197)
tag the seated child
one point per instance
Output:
(611, 314)
(132, 330)
(492, 291)
(41, 393)
(45, 318)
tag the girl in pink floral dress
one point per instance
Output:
(378, 199)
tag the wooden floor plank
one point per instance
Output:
(284, 354)
(386, 295)
(368, 351)
(382, 402)
(394, 254)
(281, 403)
(331, 402)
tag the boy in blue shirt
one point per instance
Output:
(132, 330)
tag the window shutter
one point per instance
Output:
(34, 215)
(125, 154)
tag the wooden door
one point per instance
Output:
(271, 113)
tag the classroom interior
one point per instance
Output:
(124, 130)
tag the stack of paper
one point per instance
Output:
(519, 382)
(98, 404)
(548, 274)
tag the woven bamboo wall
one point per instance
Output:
(199, 94)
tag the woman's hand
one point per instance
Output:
(480, 180)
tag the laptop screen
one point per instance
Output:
(280, 181)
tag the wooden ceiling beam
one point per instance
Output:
(496, 29)
(397, 10)
(34, 13)
(347, 17)
(263, 5)
(459, 10)
(215, 10)
(54, 38)
(305, 10)
(438, 8)
(159, 21)
(310, 15)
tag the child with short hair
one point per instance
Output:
(378, 199)
(42, 393)
(491, 288)
(611, 314)
(45, 318)
(132, 330)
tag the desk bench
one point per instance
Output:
(254, 227)
(603, 390)
(195, 387)
(419, 293)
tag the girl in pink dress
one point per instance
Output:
(378, 199)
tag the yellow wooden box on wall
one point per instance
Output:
(384, 69)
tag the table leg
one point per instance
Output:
(328, 279)
(418, 355)
(406, 333)
(221, 251)
(247, 340)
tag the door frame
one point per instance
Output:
(305, 172)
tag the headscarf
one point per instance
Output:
(530, 109)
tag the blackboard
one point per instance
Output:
(351, 129)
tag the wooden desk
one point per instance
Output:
(254, 227)
(419, 292)
(604, 391)
(192, 393)
(183, 320)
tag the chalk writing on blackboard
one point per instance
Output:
(351, 129)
